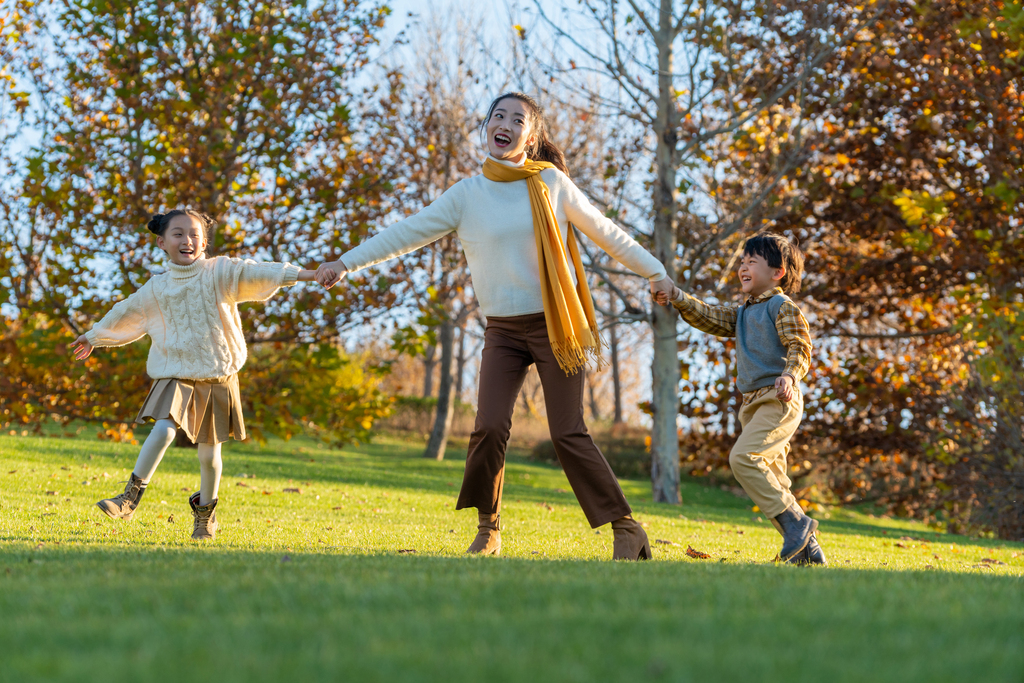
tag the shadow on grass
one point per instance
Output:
(107, 562)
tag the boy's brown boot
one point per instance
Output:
(797, 531)
(813, 554)
(488, 536)
(630, 540)
(205, 518)
(122, 506)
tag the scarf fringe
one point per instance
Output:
(573, 357)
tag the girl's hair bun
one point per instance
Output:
(154, 224)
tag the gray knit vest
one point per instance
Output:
(760, 355)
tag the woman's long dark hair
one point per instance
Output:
(542, 150)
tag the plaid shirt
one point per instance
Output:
(721, 321)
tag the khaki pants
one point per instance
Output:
(758, 459)
(511, 345)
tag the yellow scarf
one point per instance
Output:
(569, 311)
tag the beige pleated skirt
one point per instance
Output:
(208, 410)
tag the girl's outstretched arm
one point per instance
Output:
(125, 323)
(81, 348)
(248, 280)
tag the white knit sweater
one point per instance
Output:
(495, 225)
(191, 314)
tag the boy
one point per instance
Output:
(773, 353)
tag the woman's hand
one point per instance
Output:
(81, 348)
(329, 274)
(662, 291)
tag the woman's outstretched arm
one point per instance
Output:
(614, 240)
(430, 224)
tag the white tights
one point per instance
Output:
(153, 449)
(209, 472)
(157, 443)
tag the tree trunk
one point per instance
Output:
(665, 367)
(445, 400)
(460, 362)
(595, 411)
(429, 363)
(613, 344)
(181, 440)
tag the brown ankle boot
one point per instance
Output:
(488, 536)
(630, 540)
(122, 506)
(205, 518)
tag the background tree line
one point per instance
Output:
(885, 136)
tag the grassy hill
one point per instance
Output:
(348, 565)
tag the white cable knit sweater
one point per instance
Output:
(494, 222)
(191, 314)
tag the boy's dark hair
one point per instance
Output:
(779, 252)
(544, 149)
(159, 222)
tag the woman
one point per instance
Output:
(513, 223)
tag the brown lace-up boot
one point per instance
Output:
(205, 518)
(122, 506)
(488, 536)
(630, 540)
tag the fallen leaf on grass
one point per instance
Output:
(170, 519)
(12, 471)
(690, 552)
(293, 490)
(406, 550)
(51, 493)
(266, 493)
(337, 508)
(989, 560)
(981, 566)
(900, 545)
(241, 483)
(664, 542)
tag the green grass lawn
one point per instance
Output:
(359, 576)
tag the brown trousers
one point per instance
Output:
(511, 345)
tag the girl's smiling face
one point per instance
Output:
(184, 240)
(756, 276)
(509, 131)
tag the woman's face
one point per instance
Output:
(509, 131)
(184, 240)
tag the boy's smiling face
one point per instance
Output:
(756, 276)
(184, 240)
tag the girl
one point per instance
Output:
(191, 314)
(513, 223)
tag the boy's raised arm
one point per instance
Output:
(719, 320)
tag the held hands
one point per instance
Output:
(329, 274)
(784, 388)
(663, 291)
(81, 348)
